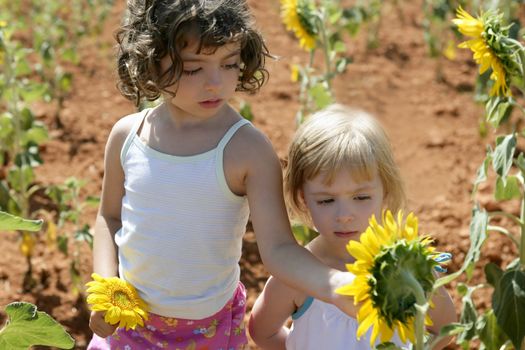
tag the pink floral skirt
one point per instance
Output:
(221, 331)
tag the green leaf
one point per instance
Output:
(10, 222)
(503, 155)
(37, 135)
(245, 111)
(468, 318)
(520, 163)
(454, 329)
(27, 327)
(508, 302)
(321, 95)
(84, 235)
(387, 346)
(493, 274)
(92, 201)
(498, 110)
(341, 64)
(490, 334)
(303, 233)
(510, 190)
(478, 235)
(481, 174)
(34, 92)
(18, 175)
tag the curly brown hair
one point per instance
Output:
(153, 29)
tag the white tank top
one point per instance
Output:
(319, 325)
(182, 228)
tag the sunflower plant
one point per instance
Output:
(502, 326)
(25, 325)
(320, 26)
(118, 299)
(395, 280)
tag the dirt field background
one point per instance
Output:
(433, 126)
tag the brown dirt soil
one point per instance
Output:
(433, 126)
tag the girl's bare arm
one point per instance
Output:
(281, 254)
(105, 261)
(270, 312)
(441, 314)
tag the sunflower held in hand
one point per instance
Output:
(118, 299)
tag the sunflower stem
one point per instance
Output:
(421, 302)
(522, 232)
(326, 49)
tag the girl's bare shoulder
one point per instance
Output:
(252, 145)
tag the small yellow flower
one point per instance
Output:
(294, 73)
(294, 15)
(3, 24)
(118, 299)
(483, 54)
(382, 255)
(450, 50)
(28, 244)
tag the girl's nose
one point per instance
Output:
(344, 213)
(213, 81)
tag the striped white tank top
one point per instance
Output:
(182, 228)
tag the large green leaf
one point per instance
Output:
(27, 327)
(508, 302)
(10, 222)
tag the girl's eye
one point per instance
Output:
(232, 66)
(362, 197)
(325, 201)
(191, 72)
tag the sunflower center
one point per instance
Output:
(122, 299)
(394, 298)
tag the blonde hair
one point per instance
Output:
(336, 138)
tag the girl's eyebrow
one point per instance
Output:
(225, 57)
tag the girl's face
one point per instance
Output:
(208, 80)
(340, 210)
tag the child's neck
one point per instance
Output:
(181, 120)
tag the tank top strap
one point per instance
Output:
(136, 126)
(229, 134)
(302, 309)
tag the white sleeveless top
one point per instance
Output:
(182, 228)
(319, 325)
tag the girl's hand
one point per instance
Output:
(343, 302)
(99, 326)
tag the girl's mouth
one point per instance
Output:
(211, 103)
(345, 234)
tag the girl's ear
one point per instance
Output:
(301, 198)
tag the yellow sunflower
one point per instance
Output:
(483, 54)
(297, 16)
(384, 256)
(118, 299)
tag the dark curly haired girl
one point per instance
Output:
(182, 178)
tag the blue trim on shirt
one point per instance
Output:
(303, 308)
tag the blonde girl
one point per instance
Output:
(340, 172)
